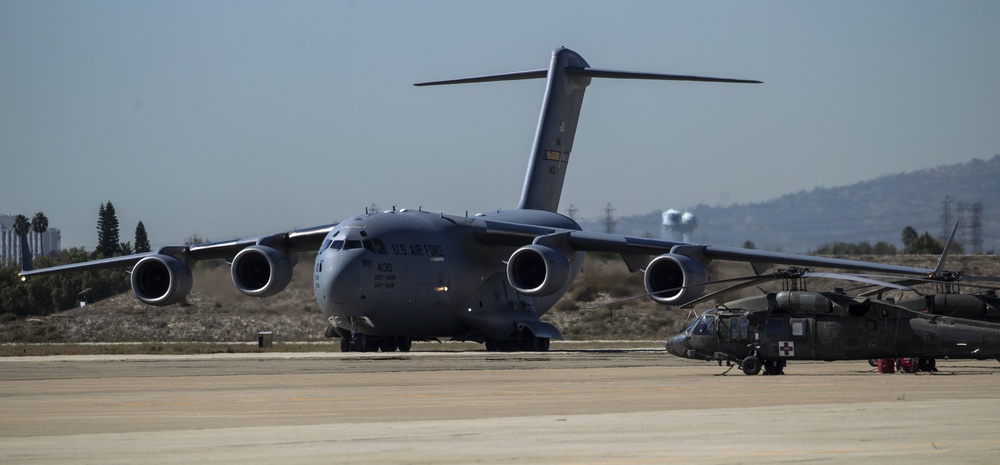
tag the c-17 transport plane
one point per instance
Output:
(383, 279)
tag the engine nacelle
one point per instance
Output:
(261, 271)
(673, 279)
(537, 270)
(161, 280)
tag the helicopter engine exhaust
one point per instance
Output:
(673, 279)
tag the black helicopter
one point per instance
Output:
(765, 331)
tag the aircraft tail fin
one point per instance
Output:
(566, 80)
(26, 264)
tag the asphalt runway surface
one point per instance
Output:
(579, 407)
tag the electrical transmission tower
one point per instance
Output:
(571, 212)
(609, 219)
(976, 228)
(946, 223)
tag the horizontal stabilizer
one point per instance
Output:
(584, 72)
(614, 74)
(515, 76)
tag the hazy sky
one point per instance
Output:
(238, 118)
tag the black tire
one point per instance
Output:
(873, 362)
(403, 343)
(345, 344)
(388, 344)
(750, 365)
(774, 367)
(927, 364)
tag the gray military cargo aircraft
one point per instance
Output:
(383, 279)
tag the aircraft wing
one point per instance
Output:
(299, 240)
(637, 250)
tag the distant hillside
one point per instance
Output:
(873, 211)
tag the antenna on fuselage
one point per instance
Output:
(567, 78)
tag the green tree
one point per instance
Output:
(107, 231)
(908, 236)
(924, 244)
(21, 225)
(40, 223)
(141, 239)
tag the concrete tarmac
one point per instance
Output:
(580, 407)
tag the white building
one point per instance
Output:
(46, 243)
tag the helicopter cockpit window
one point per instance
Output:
(706, 325)
(690, 327)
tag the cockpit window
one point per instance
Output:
(352, 244)
(337, 245)
(380, 247)
(706, 325)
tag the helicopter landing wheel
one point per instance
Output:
(774, 367)
(750, 365)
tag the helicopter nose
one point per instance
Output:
(677, 345)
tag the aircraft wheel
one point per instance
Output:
(363, 343)
(927, 364)
(774, 367)
(873, 362)
(388, 344)
(506, 345)
(403, 343)
(542, 344)
(750, 365)
(372, 343)
(345, 344)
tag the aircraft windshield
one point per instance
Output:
(706, 325)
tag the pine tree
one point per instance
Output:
(141, 239)
(107, 231)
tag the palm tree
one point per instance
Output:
(21, 226)
(40, 224)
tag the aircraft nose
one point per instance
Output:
(344, 279)
(677, 345)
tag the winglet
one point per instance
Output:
(944, 254)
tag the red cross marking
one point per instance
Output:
(786, 348)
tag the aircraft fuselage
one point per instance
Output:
(425, 275)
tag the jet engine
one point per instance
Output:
(161, 280)
(261, 271)
(537, 270)
(673, 279)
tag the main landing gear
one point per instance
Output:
(366, 343)
(752, 366)
(522, 341)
